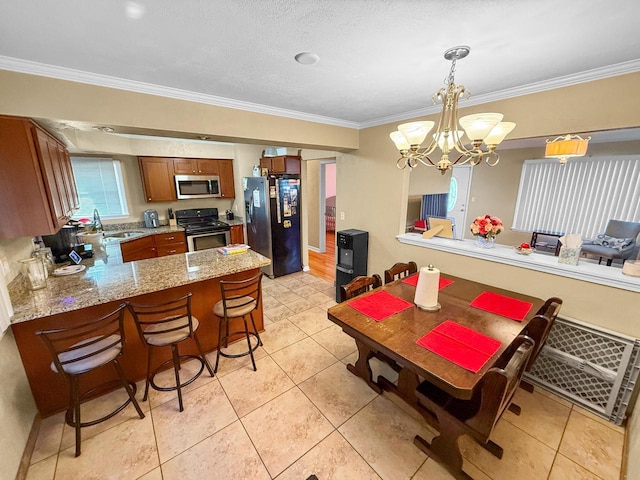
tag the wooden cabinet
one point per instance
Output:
(158, 173)
(170, 243)
(138, 249)
(37, 185)
(152, 246)
(195, 166)
(281, 164)
(157, 179)
(225, 171)
(236, 234)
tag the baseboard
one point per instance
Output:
(29, 448)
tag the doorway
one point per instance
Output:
(322, 260)
(458, 199)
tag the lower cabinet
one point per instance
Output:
(236, 234)
(153, 246)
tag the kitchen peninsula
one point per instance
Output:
(103, 286)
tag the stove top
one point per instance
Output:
(200, 220)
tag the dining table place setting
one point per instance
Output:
(502, 305)
(461, 345)
(379, 305)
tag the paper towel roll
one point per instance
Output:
(427, 288)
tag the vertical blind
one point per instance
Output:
(579, 197)
(99, 184)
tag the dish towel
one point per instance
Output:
(413, 280)
(461, 345)
(502, 305)
(379, 305)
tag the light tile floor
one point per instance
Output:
(303, 413)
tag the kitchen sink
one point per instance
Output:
(115, 236)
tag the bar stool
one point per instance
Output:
(239, 299)
(93, 344)
(168, 324)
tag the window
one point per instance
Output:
(99, 183)
(579, 197)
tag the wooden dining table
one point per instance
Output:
(394, 338)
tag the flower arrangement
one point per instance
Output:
(486, 226)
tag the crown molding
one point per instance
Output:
(63, 73)
(558, 82)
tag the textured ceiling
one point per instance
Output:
(378, 58)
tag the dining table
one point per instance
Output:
(451, 347)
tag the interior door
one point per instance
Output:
(458, 201)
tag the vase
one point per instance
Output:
(485, 242)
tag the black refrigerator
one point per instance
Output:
(272, 208)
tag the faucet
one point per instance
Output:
(97, 223)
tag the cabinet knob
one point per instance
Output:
(149, 198)
(199, 171)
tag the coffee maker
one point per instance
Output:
(65, 241)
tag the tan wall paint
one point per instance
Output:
(312, 199)
(17, 407)
(42, 97)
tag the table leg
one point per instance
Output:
(444, 449)
(362, 368)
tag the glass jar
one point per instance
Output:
(45, 255)
(34, 273)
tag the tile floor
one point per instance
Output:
(303, 413)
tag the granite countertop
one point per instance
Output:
(107, 279)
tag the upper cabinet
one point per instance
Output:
(227, 189)
(158, 175)
(281, 164)
(157, 179)
(37, 185)
(195, 166)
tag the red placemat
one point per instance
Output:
(461, 345)
(379, 305)
(413, 280)
(506, 306)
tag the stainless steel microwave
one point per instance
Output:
(197, 186)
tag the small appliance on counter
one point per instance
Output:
(230, 215)
(66, 241)
(151, 219)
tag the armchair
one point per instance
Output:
(604, 247)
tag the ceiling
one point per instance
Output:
(380, 60)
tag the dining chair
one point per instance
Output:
(400, 270)
(538, 329)
(168, 324)
(81, 349)
(359, 285)
(477, 416)
(239, 299)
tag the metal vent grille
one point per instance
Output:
(594, 368)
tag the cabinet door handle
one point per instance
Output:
(170, 238)
(149, 198)
(172, 251)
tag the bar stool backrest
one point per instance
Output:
(239, 294)
(166, 317)
(69, 346)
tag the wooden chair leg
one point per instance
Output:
(493, 448)
(515, 409)
(526, 386)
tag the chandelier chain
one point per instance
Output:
(449, 79)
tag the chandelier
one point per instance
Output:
(480, 128)
(566, 146)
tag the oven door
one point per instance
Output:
(202, 241)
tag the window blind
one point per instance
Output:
(579, 197)
(99, 184)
